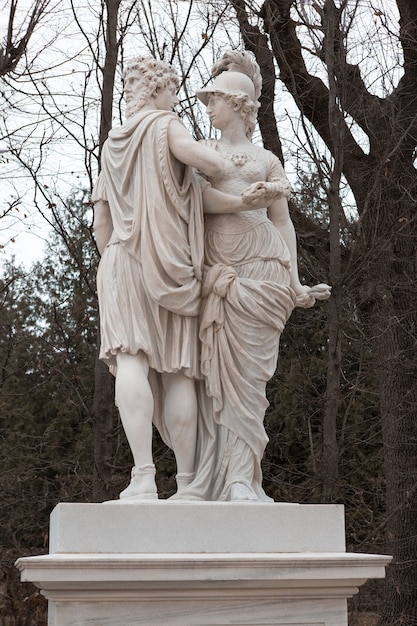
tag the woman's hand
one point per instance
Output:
(307, 296)
(320, 291)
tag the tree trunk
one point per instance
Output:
(384, 183)
(103, 427)
(109, 70)
(391, 314)
(330, 456)
(104, 382)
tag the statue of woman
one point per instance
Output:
(148, 223)
(250, 287)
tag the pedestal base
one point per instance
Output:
(195, 564)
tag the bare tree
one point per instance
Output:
(16, 40)
(104, 385)
(383, 179)
(61, 96)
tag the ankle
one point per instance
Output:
(184, 479)
(142, 484)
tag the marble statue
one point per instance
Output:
(148, 223)
(250, 287)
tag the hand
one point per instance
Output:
(320, 291)
(263, 193)
(307, 296)
(255, 197)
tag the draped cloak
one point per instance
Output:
(149, 277)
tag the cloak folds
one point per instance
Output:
(149, 278)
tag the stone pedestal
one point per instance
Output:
(194, 564)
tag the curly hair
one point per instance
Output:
(154, 74)
(248, 109)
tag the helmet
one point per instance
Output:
(228, 83)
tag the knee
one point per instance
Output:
(184, 421)
(132, 388)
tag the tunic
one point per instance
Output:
(149, 277)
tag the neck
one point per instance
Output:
(148, 105)
(234, 134)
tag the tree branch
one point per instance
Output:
(257, 43)
(13, 50)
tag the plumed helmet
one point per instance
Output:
(228, 82)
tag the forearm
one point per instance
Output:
(280, 217)
(215, 201)
(287, 232)
(103, 225)
(276, 190)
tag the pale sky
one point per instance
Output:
(63, 159)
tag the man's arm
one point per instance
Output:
(102, 225)
(190, 152)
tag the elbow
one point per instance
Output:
(211, 170)
(214, 166)
(218, 170)
(98, 228)
(102, 225)
(101, 215)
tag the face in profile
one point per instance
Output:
(218, 111)
(132, 86)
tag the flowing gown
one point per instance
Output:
(247, 300)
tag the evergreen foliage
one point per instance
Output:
(48, 332)
(47, 351)
(48, 348)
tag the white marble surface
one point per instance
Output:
(196, 527)
(157, 225)
(306, 571)
(198, 564)
(191, 590)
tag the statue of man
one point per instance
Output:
(148, 223)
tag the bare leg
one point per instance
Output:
(180, 413)
(134, 400)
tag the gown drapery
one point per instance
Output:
(247, 300)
